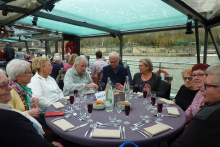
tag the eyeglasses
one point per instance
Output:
(208, 85)
(113, 62)
(197, 75)
(189, 78)
(4, 86)
(28, 73)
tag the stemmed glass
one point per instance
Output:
(143, 113)
(159, 110)
(89, 107)
(118, 109)
(131, 91)
(71, 101)
(127, 112)
(136, 89)
(77, 99)
(144, 94)
(81, 93)
(153, 101)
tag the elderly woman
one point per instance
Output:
(146, 78)
(70, 62)
(18, 128)
(199, 76)
(56, 66)
(19, 73)
(43, 86)
(187, 91)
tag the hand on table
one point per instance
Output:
(34, 102)
(148, 88)
(57, 144)
(34, 112)
(91, 85)
(174, 100)
(119, 86)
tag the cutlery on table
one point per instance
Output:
(94, 126)
(121, 132)
(107, 124)
(79, 127)
(133, 128)
(140, 122)
(91, 126)
(164, 124)
(145, 122)
(124, 132)
(163, 115)
(66, 116)
(75, 114)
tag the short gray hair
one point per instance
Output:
(147, 62)
(214, 70)
(80, 58)
(68, 55)
(114, 54)
(57, 58)
(16, 67)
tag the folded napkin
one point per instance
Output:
(173, 111)
(58, 105)
(156, 129)
(63, 124)
(167, 101)
(140, 94)
(66, 98)
(104, 133)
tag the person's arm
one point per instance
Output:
(100, 79)
(159, 89)
(93, 70)
(20, 131)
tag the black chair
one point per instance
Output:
(61, 84)
(166, 89)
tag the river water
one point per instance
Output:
(173, 65)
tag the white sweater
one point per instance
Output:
(46, 89)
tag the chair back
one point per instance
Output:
(96, 77)
(166, 89)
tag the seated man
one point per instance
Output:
(66, 57)
(77, 78)
(116, 72)
(99, 64)
(203, 129)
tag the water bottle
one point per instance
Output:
(109, 104)
(126, 88)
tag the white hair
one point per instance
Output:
(57, 54)
(68, 55)
(114, 54)
(214, 70)
(80, 58)
(56, 58)
(16, 67)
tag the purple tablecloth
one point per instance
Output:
(102, 116)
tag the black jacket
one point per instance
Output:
(9, 53)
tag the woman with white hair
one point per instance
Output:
(56, 66)
(44, 86)
(19, 73)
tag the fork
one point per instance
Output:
(66, 116)
(137, 130)
(91, 126)
(94, 126)
(75, 114)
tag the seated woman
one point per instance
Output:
(187, 91)
(146, 78)
(70, 63)
(199, 76)
(43, 86)
(18, 128)
(19, 73)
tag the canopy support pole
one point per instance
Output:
(205, 46)
(215, 43)
(197, 41)
(62, 49)
(56, 46)
(26, 45)
(120, 36)
(78, 46)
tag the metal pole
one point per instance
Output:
(120, 36)
(26, 45)
(215, 43)
(62, 49)
(197, 41)
(78, 46)
(205, 46)
(56, 46)
(46, 42)
(159, 68)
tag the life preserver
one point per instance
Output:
(165, 73)
(71, 48)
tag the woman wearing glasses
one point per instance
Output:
(19, 73)
(187, 91)
(199, 76)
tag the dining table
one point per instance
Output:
(102, 116)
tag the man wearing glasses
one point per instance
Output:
(203, 129)
(116, 72)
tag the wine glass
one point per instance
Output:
(136, 88)
(131, 91)
(144, 94)
(77, 100)
(118, 109)
(143, 113)
(71, 101)
(159, 110)
(127, 112)
(89, 107)
(153, 101)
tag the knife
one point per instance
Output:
(124, 132)
(145, 122)
(164, 124)
(121, 132)
(77, 118)
(79, 127)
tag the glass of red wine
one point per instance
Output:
(136, 88)
(159, 110)
(89, 107)
(127, 112)
(144, 94)
(153, 101)
(71, 101)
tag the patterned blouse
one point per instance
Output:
(195, 106)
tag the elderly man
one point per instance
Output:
(99, 64)
(9, 52)
(203, 129)
(67, 56)
(77, 78)
(116, 72)
(56, 66)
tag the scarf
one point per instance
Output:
(33, 120)
(22, 90)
